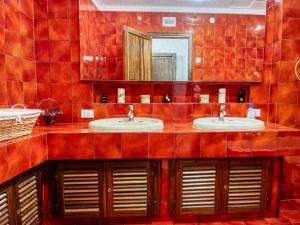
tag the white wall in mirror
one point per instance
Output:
(179, 46)
(257, 7)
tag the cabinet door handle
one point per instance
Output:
(109, 190)
(225, 187)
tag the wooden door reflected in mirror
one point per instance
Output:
(137, 55)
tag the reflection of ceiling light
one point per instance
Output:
(198, 60)
(139, 18)
(258, 28)
(212, 20)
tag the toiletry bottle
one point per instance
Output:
(222, 96)
(241, 98)
(251, 113)
(103, 98)
(121, 95)
(166, 98)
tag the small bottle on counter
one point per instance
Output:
(121, 95)
(222, 96)
(251, 112)
(103, 98)
(166, 98)
(241, 98)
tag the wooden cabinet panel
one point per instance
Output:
(28, 200)
(248, 185)
(221, 186)
(79, 187)
(108, 189)
(5, 218)
(130, 189)
(196, 184)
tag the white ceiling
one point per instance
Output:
(192, 6)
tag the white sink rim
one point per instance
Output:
(241, 124)
(122, 124)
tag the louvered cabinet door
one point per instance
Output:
(79, 188)
(195, 187)
(28, 200)
(248, 182)
(5, 209)
(129, 189)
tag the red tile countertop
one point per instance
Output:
(177, 140)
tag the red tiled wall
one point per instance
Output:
(232, 49)
(288, 87)
(17, 69)
(57, 54)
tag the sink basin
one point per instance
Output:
(229, 124)
(139, 124)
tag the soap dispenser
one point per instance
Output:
(222, 96)
(251, 113)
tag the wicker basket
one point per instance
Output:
(17, 122)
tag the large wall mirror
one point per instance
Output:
(172, 40)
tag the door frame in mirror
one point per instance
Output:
(188, 36)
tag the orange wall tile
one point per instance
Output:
(17, 67)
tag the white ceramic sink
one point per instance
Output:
(139, 124)
(229, 124)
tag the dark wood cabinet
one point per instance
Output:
(196, 185)
(224, 186)
(80, 189)
(28, 199)
(7, 212)
(132, 189)
(108, 189)
(20, 201)
(248, 185)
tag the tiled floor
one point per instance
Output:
(289, 215)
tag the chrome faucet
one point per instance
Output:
(222, 113)
(131, 113)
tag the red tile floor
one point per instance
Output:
(289, 215)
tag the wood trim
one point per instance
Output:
(156, 173)
(221, 187)
(224, 187)
(172, 185)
